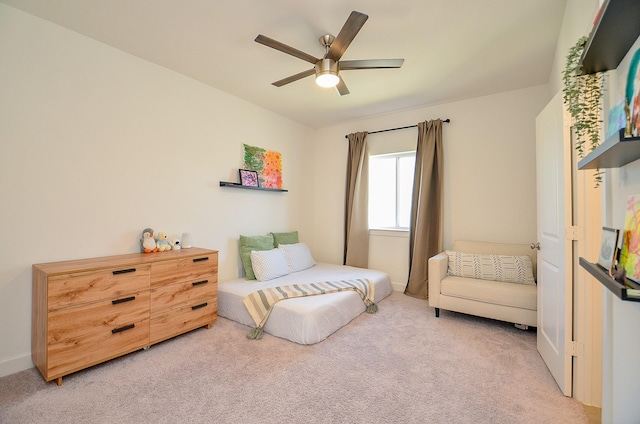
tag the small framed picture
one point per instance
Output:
(608, 248)
(249, 178)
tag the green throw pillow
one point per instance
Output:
(249, 243)
(285, 238)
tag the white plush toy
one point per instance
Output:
(175, 244)
(148, 243)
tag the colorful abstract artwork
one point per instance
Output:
(630, 253)
(632, 94)
(267, 163)
(624, 112)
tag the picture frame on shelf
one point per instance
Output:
(608, 248)
(249, 178)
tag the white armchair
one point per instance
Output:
(500, 300)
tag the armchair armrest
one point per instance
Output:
(438, 266)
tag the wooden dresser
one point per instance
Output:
(88, 311)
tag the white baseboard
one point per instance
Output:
(398, 286)
(14, 365)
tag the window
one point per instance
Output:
(390, 190)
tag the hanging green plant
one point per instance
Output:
(582, 95)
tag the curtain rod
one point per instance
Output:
(399, 128)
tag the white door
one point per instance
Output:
(553, 170)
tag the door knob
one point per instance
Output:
(535, 245)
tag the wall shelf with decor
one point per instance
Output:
(238, 185)
(614, 152)
(620, 290)
(608, 43)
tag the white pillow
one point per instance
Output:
(298, 256)
(268, 264)
(510, 269)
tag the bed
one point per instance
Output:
(304, 320)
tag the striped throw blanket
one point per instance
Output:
(261, 302)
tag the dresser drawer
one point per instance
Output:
(169, 296)
(171, 322)
(193, 268)
(81, 287)
(87, 318)
(80, 352)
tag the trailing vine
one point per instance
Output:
(582, 94)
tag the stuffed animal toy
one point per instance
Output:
(175, 244)
(163, 242)
(147, 242)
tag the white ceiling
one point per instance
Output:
(453, 49)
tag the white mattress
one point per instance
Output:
(304, 320)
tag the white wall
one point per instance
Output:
(96, 145)
(389, 251)
(621, 372)
(490, 186)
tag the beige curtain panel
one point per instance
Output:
(425, 234)
(356, 235)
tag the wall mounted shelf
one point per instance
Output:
(614, 152)
(617, 288)
(238, 185)
(608, 43)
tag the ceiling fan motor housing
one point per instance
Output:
(327, 66)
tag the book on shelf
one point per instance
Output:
(631, 284)
(632, 288)
(633, 293)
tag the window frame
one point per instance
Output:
(397, 156)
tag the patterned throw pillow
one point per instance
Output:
(269, 264)
(510, 269)
(298, 256)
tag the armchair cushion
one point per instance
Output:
(506, 268)
(491, 292)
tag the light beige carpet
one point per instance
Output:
(400, 365)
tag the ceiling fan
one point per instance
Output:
(327, 68)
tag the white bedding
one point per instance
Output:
(304, 320)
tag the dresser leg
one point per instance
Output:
(208, 326)
(59, 381)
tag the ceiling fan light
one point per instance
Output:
(327, 73)
(327, 80)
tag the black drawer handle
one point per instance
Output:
(193, 308)
(206, 258)
(124, 271)
(199, 283)
(124, 299)
(125, 328)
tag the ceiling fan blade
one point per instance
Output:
(349, 30)
(346, 65)
(295, 77)
(270, 42)
(342, 87)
